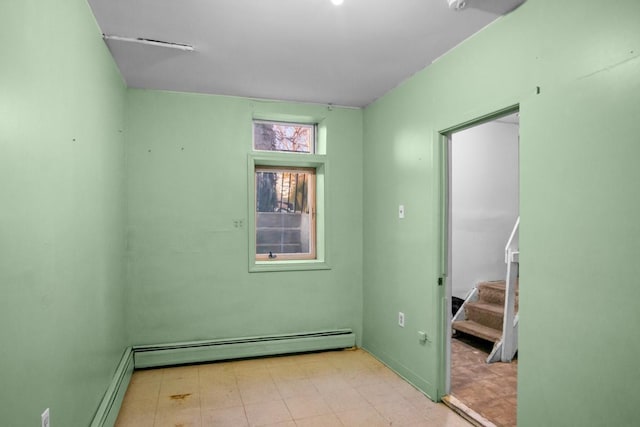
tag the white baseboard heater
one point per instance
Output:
(147, 356)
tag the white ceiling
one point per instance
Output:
(295, 50)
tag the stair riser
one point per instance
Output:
(484, 317)
(477, 331)
(493, 296)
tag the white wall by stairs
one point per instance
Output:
(484, 204)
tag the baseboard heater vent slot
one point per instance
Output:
(147, 356)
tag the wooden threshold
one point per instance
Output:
(467, 413)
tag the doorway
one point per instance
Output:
(482, 189)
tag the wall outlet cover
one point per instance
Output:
(401, 319)
(45, 418)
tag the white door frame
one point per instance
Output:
(445, 140)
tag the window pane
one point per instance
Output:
(284, 212)
(292, 137)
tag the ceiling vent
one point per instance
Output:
(150, 42)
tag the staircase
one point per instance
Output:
(490, 311)
(483, 315)
(280, 233)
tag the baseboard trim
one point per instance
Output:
(149, 356)
(426, 387)
(109, 407)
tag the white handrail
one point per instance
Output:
(509, 326)
(510, 241)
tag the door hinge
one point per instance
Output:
(439, 281)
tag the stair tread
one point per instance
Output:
(498, 285)
(487, 306)
(476, 329)
(492, 283)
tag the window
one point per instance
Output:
(285, 213)
(286, 137)
(287, 204)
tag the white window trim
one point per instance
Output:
(287, 159)
(314, 136)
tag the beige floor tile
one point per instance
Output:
(441, 414)
(135, 420)
(362, 417)
(178, 401)
(281, 424)
(138, 412)
(408, 391)
(297, 388)
(226, 417)
(217, 399)
(362, 377)
(450, 420)
(215, 367)
(278, 360)
(287, 372)
(349, 364)
(252, 372)
(399, 412)
(250, 368)
(319, 368)
(318, 389)
(370, 361)
(260, 414)
(215, 387)
(344, 400)
(137, 389)
(424, 406)
(255, 382)
(379, 393)
(216, 374)
(139, 405)
(181, 417)
(260, 392)
(147, 376)
(329, 420)
(179, 386)
(183, 373)
(422, 423)
(387, 374)
(143, 396)
(306, 407)
(314, 357)
(330, 383)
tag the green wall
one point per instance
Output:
(579, 205)
(187, 184)
(62, 272)
(65, 311)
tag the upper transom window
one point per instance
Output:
(281, 136)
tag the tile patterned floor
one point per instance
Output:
(338, 388)
(489, 389)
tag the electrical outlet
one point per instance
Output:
(401, 211)
(401, 319)
(45, 418)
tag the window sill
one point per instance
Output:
(289, 265)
